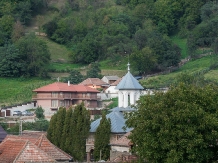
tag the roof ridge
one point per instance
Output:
(64, 153)
(24, 146)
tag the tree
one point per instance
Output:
(94, 71)
(12, 63)
(144, 61)
(180, 125)
(59, 127)
(69, 130)
(39, 113)
(75, 77)
(102, 139)
(17, 32)
(36, 53)
(80, 124)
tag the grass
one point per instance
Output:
(58, 52)
(64, 67)
(19, 90)
(181, 43)
(194, 66)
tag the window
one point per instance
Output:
(54, 103)
(54, 94)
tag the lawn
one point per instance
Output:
(199, 66)
(181, 43)
(18, 90)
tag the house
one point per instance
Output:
(33, 147)
(111, 91)
(55, 95)
(129, 91)
(3, 134)
(95, 83)
(19, 151)
(121, 149)
(110, 79)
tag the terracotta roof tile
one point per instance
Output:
(93, 81)
(10, 149)
(63, 87)
(116, 82)
(32, 153)
(43, 144)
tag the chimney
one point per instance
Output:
(68, 83)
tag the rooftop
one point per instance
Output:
(65, 87)
(94, 81)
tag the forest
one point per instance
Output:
(95, 30)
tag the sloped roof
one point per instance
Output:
(3, 134)
(94, 81)
(123, 141)
(119, 109)
(116, 82)
(44, 144)
(117, 123)
(63, 87)
(111, 77)
(56, 153)
(22, 151)
(129, 82)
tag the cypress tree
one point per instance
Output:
(59, 126)
(51, 129)
(67, 134)
(102, 139)
(80, 125)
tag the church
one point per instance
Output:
(129, 91)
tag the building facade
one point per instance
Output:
(53, 96)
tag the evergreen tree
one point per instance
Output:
(39, 113)
(51, 129)
(59, 126)
(102, 139)
(80, 125)
(67, 133)
(94, 71)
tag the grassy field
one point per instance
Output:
(18, 90)
(195, 66)
(181, 43)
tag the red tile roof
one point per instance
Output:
(94, 81)
(19, 151)
(41, 142)
(63, 87)
(116, 82)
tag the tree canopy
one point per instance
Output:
(102, 139)
(180, 125)
(69, 130)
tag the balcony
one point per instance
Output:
(65, 96)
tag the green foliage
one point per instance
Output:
(39, 113)
(12, 63)
(102, 139)
(144, 61)
(177, 126)
(36, 55)
(69, 130)
(94, 71)
(80, 128)
(75, 77)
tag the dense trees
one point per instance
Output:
(102, 139)
(177, 126)
(69, 130)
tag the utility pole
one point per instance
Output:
(20, 126)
